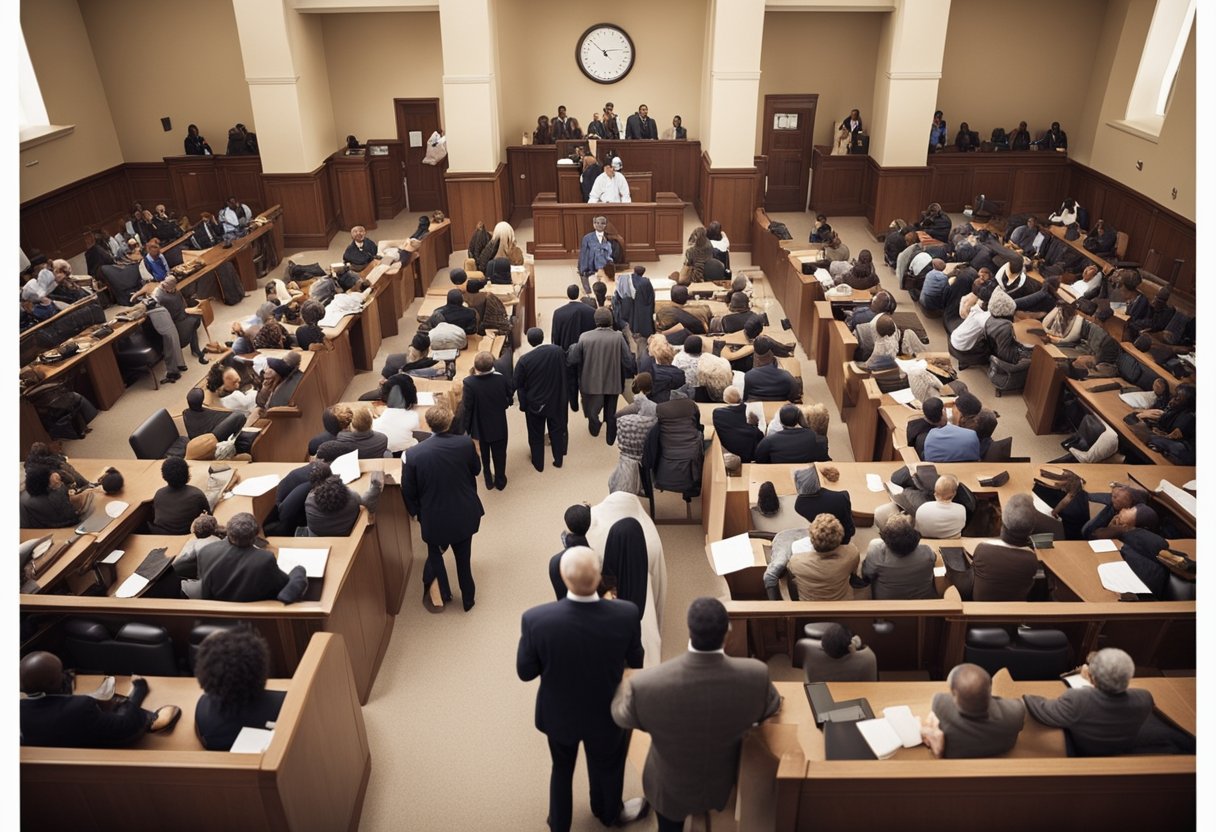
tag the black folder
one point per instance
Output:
(823, 707)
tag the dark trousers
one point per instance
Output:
(669, 824)
(558, 436)
(593, 403)
(495, 452)
(605, 773)
(435, 570)
(572, 387)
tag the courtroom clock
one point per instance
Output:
(604, 53)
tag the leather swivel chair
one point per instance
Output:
(157, 438)
(1028, 654)
(146, 649)
(1006, 377)
(138, 353)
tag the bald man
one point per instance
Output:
(362, 249)
(579, 647)
(51, 715)
(942, 518)
(970, 721)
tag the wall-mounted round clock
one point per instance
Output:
(604, 53)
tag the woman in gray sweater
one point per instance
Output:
(332, 508)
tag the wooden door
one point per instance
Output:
(424, 182)
(789, 127)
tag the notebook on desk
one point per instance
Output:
(825, 709)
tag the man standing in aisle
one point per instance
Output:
(569, 323)
(595, 250)
(605, 358)
(487, 397)
(540, 381)
(579, 647)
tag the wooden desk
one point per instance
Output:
(312, 777)
(1078, 245)
(1074, 565)
(519, 298)
(102, 376)
(570, 184)
(1111, 409)
(203, 283)
(649, 228)
(675, 166)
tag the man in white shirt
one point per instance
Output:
(943, 518)
(610, 186)
(967, 334)
(235, 216)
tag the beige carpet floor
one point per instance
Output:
(450, 724)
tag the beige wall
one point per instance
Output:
(363, 82)
(1048, 82)
(315, 106)
(1170, 161)
(536, 41)
(799, 45)
(181, 60)
(67, 73)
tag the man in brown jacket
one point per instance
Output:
(696, 709)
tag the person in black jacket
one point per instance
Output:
(439, 487)
(456, 313)
(231, 668)
(175, 506)
(207, 233)
(51, 715)
(767, 381)
(235, 570)
(735, 427)
(935, 222)
(487, 396)
(813, 499)
(640, 125)
(98, 253)
(578, 521)
(195, 144)
(579, 647)
(362, 249)
(1101, 240)
(570, 322)
(793, 443)
(46, 503)
(1019, 139)
(540, 381)
(934, 416)
(591, 171)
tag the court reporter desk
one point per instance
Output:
(313, 776)
(648, 228)
(787, 784)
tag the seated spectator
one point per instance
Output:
(738, 315)
(861, 276)
(678, 447)
(998, 329)
(714, 375)
(205, 530)
(311, 312)
(951, 443)
(841, 658)
(1039, 303)
(658, 360)
(970, 332)
(1176, 427)
(985, 426)
(835, 250)
(369, 443)
(933, 415)
(679, 319)
(45, 502)
(774, 514)
(1002, 570)
(501, 245)
(177, 503)
(768, 381)
(456, 313)
(882, 302)
(1140, 516)
(231, 668)
(898, 566)
(689, 359)
(812, 499)
(942, 518)
(332, 508)
(334, 420)
(491, 313)
(41, 454)
(721, 243)
(277, 372)
(1063, 325)
(935, 222)
(970, 722)
(1101, 720)
(1013, 280)
(698, 252)
(52, 716)
(1101, 239)
(235, 570)
(793, 443)
(821, 563)
(736, 428)
(966, 138)
(1019, 139)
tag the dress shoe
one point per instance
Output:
(469, 605)
(202, 359)
(181, 368)
(170, 378)
(557, 463)
(501, 483)
(540, 467)
(166, 717)
(635, 808)
(489, 483)
(593, 425)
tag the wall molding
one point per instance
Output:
(468, 79)
(735, 75)
(268, 80)
(915, 76)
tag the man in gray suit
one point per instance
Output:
(696, 709)
(1101, 720)
(605, 358)
(970, 721)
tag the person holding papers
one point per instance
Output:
(969, 721)
(231, 668)
(236, 570)
(332, 508)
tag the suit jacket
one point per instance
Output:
(696, 708)
(580, 651)
(611, 128)
(1002, 573)
(569, 322)
(737, 434)
(636, 311)
(360, 257)
(635, 128)
(606, 360)
(593, 253)
(217, 730)
(540, 381)
(854, 666)
(951, 443)
(792, 445)
(485, 402)
(836, 503)
(768, 383)
(987, 736)
(68, 721)
(174, 509)
(1099, 724)
(439, 486)
(233, 573)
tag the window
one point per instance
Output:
(33, 122)
(1154, 84)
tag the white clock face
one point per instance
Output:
(605, 53)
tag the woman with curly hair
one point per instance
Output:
(898, 565)
(332, 509)
(699, 250)
(309, 333)
(821, 565)
(231, 668)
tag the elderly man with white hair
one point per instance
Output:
(1101, 720)
(362, 249)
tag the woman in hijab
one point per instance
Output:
(502, 244)
(626, 576)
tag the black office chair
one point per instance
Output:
(1028, 654)
(201, 630)
(1006, 377)
(157, 438)
(146, 649)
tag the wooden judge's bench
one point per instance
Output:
(648, 228)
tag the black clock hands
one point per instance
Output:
(597, 46)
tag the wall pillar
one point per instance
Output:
(909, 68)
(730, 181)
(476, 178)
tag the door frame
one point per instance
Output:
(403, 137)
(793, 101)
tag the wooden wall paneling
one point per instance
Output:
(308, 217)
(476, 197)
(837, 183)
(1173, 240)
(898, 193)
(108, 196)
(48, 226)
(729, 196)
(675, 164)
(149, 184)
(532, 170)
(387, 178)
(1035, 190)
(953, 186)
(195, 183)
(994, 181)
(352, 183)
(241, 176)
(66, 217)
(669, 225)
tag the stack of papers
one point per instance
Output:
(426, 398)
(1117, 576)
(256, 486)
(732, 554)
(313, 560)
(903, 396)
(252, 741)
(1139, 399)
(1103, 545)
(347, 467)
(897, 729)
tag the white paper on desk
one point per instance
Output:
(913, 366)
(1117, 576)
(347, 467)
(252, 741)
(904, 396)
(880, 736)
(426, 398)
(906, 725)
(1185, 500)
(259, 364)
(313, 560)
(1139, 398)
(874, 482)
(113, 557)
(732, 554)
(115, 508)
(758, 409)
(444, 355)
(132, 586)
(256, 486)
(662, 283)
(1103, 545)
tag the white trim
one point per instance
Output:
(736, 75)
(34, 136)
(1139, 129)
(467, 79)
(914, 76)
(272, 79)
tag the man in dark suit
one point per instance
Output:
(487, 395)
(456, 313)
(1101, 720)
(579, 647)
(813, 499)
(236, 570)
(793, 443)
(569, 322)
(540, 380)
(766, 381)
(696, 709)
(207, 233)
(51, 715)
(735, 427)
(934, 416)
(969, 721)
(1004, 570)
(640, 125)
(362, 249)
(439, 486)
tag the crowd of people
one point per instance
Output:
(1015, 138)
(606, 125)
